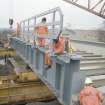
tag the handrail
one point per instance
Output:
(26, 27)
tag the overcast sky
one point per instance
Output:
(21, 9)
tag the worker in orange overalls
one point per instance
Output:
(90, 95)
(58, 48)
(42, 30)
(59, 45)
(18, 29)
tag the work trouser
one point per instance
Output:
(47, 59)
(41, 42)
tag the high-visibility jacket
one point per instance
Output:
(69, 47)
(90, 96)
(41, 30)
(59, 47)
(18, 28)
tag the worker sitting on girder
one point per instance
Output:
(90, 95)
(59, 45)
(58, 49)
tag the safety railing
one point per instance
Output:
(54, 23)
(63, 78)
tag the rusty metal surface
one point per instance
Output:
(15, 93)
(7, 52)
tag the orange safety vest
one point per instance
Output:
(42, 31)
(59, 47)
(18, 29)
(90, 96)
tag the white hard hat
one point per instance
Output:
(88, 81)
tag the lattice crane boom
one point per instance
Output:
(96, 7)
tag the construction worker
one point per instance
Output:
(58, 48)
(59, 45)
(90, 95)
(69, 47)
(18, 29)
(42, 30)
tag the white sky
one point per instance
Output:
(5, 12)
(21, 9)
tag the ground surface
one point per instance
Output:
(45, 103)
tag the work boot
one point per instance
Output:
(48, 67)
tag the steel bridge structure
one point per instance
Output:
(64, 76)
(96, 7)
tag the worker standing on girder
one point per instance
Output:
(42, 30)
(18, 29)
(90, 95)
(69, 47)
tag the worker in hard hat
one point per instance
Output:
(41, 30)
(90, 95)
(59, 45)
(68, 46)
(18, 29)
(58, 48)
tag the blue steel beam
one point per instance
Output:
(63, 69)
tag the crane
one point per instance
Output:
(96, 7)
